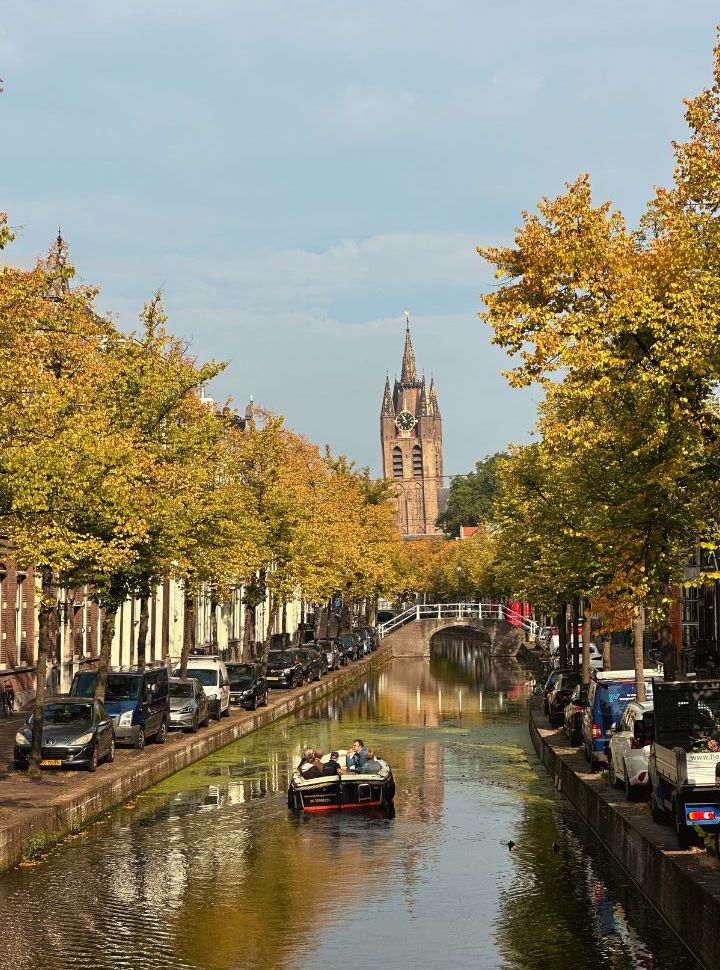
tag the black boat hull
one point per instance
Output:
(330, 794)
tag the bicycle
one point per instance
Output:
(7, 700)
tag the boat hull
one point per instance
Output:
(330, 794)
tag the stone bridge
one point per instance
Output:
(502, 630)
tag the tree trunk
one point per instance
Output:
(283, 618)
(143, 631)
(372, 612)
(318, 621)
(213, 620)
(106, 638)
(188, 631)
(607, 651)
(669, 654)
(574, 632)
(271, 621)
(587, 633)
(562, 635)
(248, 651)
(638, 638)
(47, 605)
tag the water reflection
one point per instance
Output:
(209, 870)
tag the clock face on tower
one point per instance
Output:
(405, 421)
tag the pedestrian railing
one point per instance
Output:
(460, 611)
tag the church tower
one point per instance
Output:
(411, 437)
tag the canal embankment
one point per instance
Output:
(683, 885)
(35, 814)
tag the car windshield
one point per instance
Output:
(566, 681)
(240, 670)
(208, 676)
(119, 687)
(280, 657)
(183, 689)
(61, 714)
(347, 641)
(615, 697)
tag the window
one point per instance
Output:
(417, 462)
(19, 618)
(397, 460)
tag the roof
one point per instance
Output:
(624, 674)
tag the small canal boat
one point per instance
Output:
(352, 790)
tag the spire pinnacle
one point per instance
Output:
(408, 375)
(387, 404)
(433, 406)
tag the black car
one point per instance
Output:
(574, 713)
(317, 662)
(285, 668)
(551, 681)
(559, 696)
(350, 647)
(367, 641)
(248, 687)
(77, 733)
(330, 647)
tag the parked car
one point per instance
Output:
(551, 681)
(559, 696)
(189, 708)
(350, 646)
(284, 668)
(137, 701)
(330, 647)
(212, 674)
(317, 665)
(248, 687)
(609, 694)
(77, 733)
(573, 714)
(367, 641)
(629, 749)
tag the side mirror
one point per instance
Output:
(612, 729)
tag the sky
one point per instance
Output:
(295, 175)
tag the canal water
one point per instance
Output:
(210, 870)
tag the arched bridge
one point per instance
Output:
(410, 632)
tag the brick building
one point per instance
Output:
(411, 439)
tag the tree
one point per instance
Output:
(472, 497)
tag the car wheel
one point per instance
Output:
(110, 756)
(658, 813)
(140, 741)
(206, 722)
(94, 760)
(253, 706)
(161, 735)
(18, 766)
(319, 675)
(195, 725)
(226, 712)
(632, 792)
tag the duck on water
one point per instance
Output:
(320, 783)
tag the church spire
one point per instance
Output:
(387, 404)
(433, 405)
(408, 375)
(56, 267)
(423, 407)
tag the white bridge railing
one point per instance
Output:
(460, 611)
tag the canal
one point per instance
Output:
(210, 870)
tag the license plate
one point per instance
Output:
(273, 678)
(50, 762)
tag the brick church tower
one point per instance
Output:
(411, 436)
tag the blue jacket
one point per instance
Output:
(357, 761)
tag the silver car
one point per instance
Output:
(188, 704)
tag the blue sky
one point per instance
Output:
(297, 174)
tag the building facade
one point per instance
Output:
(411, 439)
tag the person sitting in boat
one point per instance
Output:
(372, 766)
(308, 756)
(356, 760)
(332, 765)
(317, 768)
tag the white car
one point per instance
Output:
(629, 749)
(212, 674)
(596, 659)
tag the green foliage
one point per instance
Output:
(471, 497)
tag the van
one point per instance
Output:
(138, 701)
(609, 693)
(212, 674)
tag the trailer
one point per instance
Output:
(684, 763)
